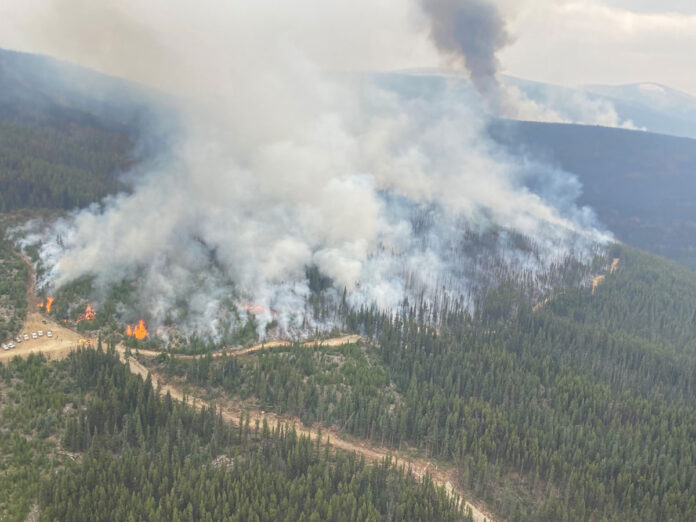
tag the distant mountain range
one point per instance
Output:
(650, 106)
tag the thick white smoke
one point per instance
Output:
(284, 164)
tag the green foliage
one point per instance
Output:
(150, 458)
(66, 166)
(343, 386)
(13, 297)
(33, 396)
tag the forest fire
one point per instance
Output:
(89, 314)
(254, 309)
(138, 331)
(49, 304)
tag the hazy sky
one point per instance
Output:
(603, 41)
(559, 41)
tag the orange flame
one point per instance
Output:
(88, 315)
(140, 331)
(254, 309)
(129, 331)
(49, 304)
(41, 305)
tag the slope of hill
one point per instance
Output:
(656, 107)
(67, 132)
(651, 106)
(640, 184)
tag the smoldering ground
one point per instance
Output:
(284, 163)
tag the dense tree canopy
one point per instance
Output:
(581, 409)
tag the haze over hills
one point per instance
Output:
(68, 133)
(643, 106)
(639, 183)
(649, 106)
(40, 88)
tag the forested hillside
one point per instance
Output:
(579, 410)
(639, 183)
(13, 292)
(65, 133)
(64, 166)
(95, 442)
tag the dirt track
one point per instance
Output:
(336, 341)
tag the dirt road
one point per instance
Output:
(55, 347)
(336, 341)
(63, 341)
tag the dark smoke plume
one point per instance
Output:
(472, 32)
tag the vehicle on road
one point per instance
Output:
(49, 333)
(34, 336)
(26, 337)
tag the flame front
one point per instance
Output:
(49, 304)
(140, 331)
(88, 315)
(254, 309)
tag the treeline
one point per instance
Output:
(150, 458)
(63, 167)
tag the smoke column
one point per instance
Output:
(283, 164)
(471, 32)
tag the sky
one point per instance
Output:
(567, 42)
